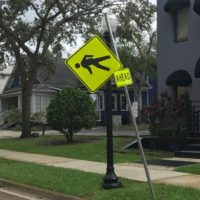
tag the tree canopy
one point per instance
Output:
(34, 31)
(137, 40)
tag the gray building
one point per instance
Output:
(179, 47)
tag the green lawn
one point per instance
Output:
(87, 185)
(85, 148)
(193, 169)
(142, 126)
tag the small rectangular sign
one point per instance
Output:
(134, 108)
(123, 77)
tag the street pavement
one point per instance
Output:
(8, 196)
(101, 131)
(96, 131)
(134, 171)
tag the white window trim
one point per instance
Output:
(121, 96)
(101, 94)
(42, 106)
(115, 102)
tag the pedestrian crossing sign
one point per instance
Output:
(94, 64)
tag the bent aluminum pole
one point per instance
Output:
(132, 117)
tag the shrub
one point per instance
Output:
(168, 116)
(39, 116)
(71, 110)
(13, 116)
(168, 132)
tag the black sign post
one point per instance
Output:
(110, 180)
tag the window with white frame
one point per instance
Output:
(123, 103)
(38, 103)
(101, 101)
(41, 102)
(181, 21)
(114, 102)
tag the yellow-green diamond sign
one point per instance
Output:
(94, 63)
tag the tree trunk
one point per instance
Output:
(26, 125)
(70, 134)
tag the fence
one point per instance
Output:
(194, 119)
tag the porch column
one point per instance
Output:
(147, 97)
(0, 105)
(19, 102)
(33, 103)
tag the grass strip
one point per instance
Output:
(83, 147)
(87, 185)
(193, 169)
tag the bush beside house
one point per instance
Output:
(71, 110)
(168, 118)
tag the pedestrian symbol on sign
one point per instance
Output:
(89, 60)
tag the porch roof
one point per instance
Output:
(179, 78)
(172, 5)
(197, 69)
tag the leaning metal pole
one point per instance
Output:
(133, 119)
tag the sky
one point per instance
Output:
(74, 48)
(153, 1)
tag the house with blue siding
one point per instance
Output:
(178, 48)
(119, 106)
(47, 85)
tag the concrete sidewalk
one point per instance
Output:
(132, 171)
(96, 131)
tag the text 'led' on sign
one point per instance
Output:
(123, 77)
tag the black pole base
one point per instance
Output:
(110, 180)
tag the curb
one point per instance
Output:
(36, 191)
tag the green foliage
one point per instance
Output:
(137, 35)
(193, 169)
(71, 110)
(168, 132)
(18, 127)
(137, 41)
(88, 185)
(14, 116)
(39, 116)
(31, 43)
(85, 148)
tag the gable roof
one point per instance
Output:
(59, 77)
(3, 81)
